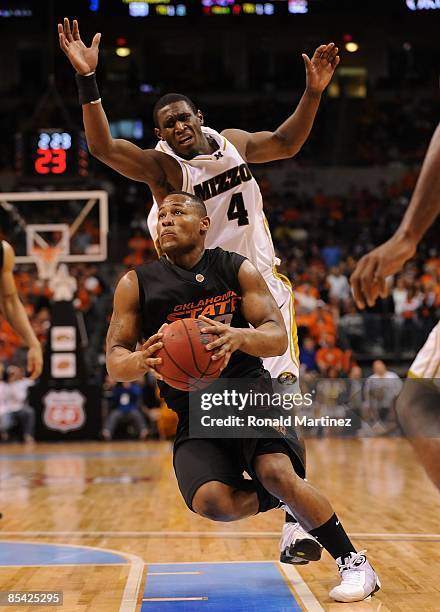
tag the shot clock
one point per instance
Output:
(52, 155)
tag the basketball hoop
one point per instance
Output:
(46, 260)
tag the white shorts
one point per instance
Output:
(281, 290)
(427, 362)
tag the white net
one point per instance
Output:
(46, 259)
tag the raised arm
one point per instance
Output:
(124, 362)
(148, 165)
(368, 278)
(269, 336)
(15, 314)
(289, 137)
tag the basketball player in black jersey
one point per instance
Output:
(14, 312)
(210, 471)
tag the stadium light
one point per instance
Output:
(123, 51)
(351, 47)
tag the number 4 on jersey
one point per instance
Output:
(237, 210)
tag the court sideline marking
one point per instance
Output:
(133, 584)
(293, 578)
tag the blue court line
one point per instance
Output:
(231, 587)
(22, 554)
(86, 454)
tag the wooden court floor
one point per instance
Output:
(96, 520)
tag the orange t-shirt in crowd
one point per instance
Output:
(330, 358)
(322, 326)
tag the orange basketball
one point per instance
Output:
(186, 364)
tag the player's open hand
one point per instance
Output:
(229, 339)
(35, 361)
(147, 362)
(83, 59)
(368, 280)
(320, 69)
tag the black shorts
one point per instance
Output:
(197, 461)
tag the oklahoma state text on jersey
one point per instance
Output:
(212, 307)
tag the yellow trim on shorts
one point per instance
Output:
(429, 382)
(293, 330)
(434, 352)
(437, 371)
(412, 375)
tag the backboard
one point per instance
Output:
(75, 223)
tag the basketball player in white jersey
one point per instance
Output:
(418, 405)
(213, 166)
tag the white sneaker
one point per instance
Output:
(358, 578)
(297, 546)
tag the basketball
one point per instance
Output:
(186, 364)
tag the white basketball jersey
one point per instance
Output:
(234, 203)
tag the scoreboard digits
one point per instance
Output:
(51, 154)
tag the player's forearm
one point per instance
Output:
(269, 340)
(296, 129)
(16, 316)
(425, 202)
(97, 129)
(124, 365)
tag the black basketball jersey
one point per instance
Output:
(168, 292)
(2, 255)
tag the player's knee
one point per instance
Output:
(214, 501)
(276, 473)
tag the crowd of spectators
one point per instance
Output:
(362, 406)
(396, 129)
(92, 302)
(319, 239)
(136, 409)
